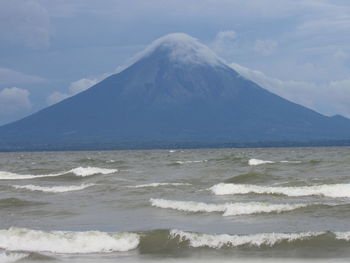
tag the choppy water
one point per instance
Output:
(179, 205)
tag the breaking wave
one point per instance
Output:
(185, 162)
(329, 190)
(258, 162)
(228, 209)
(17, 240)
(158, 241)
(343, 235)
(88, 171)
(79, 171)
(65, 242)
(53, 189)
(225, 240)
(7, 257)
(157, 185)
(254, 162)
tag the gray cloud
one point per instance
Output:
(340, 55)
(331, 98)
(265, 47)
(9, 77)
(24, 22)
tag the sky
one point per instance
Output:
(53, 49)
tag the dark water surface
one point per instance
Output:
(231, 205)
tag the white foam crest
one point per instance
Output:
(66, 242)
(224, 240)
(254, 162)
(257, 208)
(184, 162)
(88, 171)
(53, 189)
(342, 235)
(8, 257)
(157, 185)
(79, 171)
(329, 190)
(13, 176)
(228, 209)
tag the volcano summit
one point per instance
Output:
(176, 92)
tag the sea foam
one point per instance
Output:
(185, 162)
(13, 176)
(79, 171)
(23, 239)
(88, 171)
(329, 190)
(343, 235)
(228, 209)
(254, 162)
(157, 185)
(225, 240)
(53, 189)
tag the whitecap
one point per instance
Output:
(254, 162)
(290, 161)
(53, 189)
(79, 171)
(185, 162)
(225, 240)
(157, 185)
(66, 242)
(329, 190)
(88, 171)
(343, 235)
(228, 209)
(13, 176)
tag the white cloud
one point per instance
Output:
(81, 85)
(224, 43)
(24, 22)
(14, 100)
(74, 88)
(11, 77)
(330, 99)
(265, 47)
(325, 25)
(56, 97)
(183, 48)
(226, 35)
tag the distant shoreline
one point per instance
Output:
(169, 145)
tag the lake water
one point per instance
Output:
(176, 205)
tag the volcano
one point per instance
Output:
(176, 92)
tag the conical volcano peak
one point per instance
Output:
(182, 48)
(176, 93)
